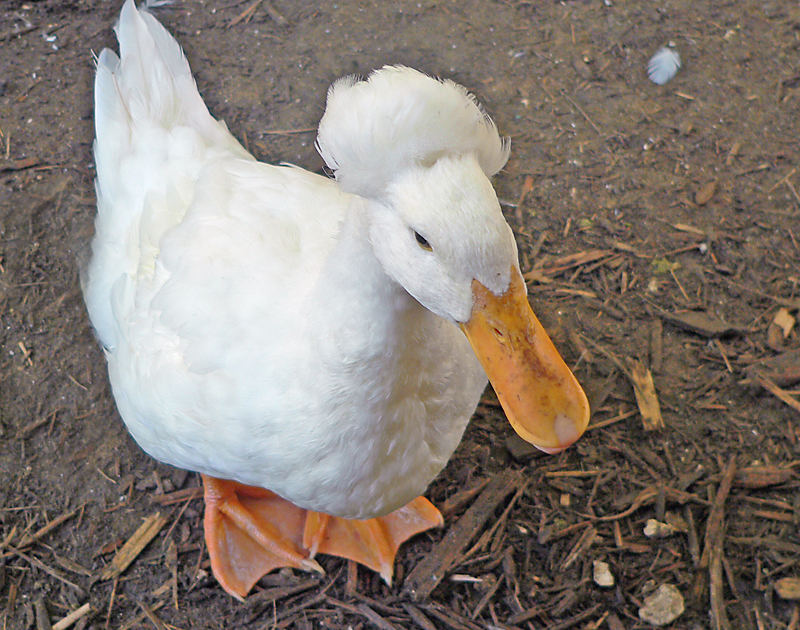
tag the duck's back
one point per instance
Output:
(236, 345)
(200, 252)
(163, 162)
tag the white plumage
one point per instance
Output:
(251, 329)
(274, 327)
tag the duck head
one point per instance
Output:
(422, 151)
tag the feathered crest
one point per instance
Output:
(398, 116)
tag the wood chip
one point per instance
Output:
(702, 324)
(762, 476)
(719, 616)
(782, 369)
(134, 546)
(461, 498)
(644, 390)
(784, 320)
(432, 568)
(245, 15)
(734, 151)
(788, 588)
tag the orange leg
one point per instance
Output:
(251, 531)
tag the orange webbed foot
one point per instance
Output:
(372, 542)
(251, 531)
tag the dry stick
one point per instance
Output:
(583, 113)
(134, 546)
(781, 180)
(187, 494)
(287, 132)
(29, 538)
(74, 616)
(793, 189)
(714, 524)
(500, 522)
(50, 571)
(418, 617)
(609, 421)
(42, 616)
(364, 611)
(778, 392)
(151, 616)
(718, 615)
(136, 622)
(450, 617)
(694, 543)
(585, 541)
(111, 601)
(432, 568)
(244, 15)
(487, 597)
(462, 497)
(646, 496)
(644, 389)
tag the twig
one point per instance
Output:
(776, 391)
(245, 15)
(48, 527)
(583, 113)
(781, 180)
(50, 571)
(714, 523)
(134, 546)
(17, 32)
(287, 132)
(433, 567)
(72, 617)
(365, 611)
(718, 615)
(151, 616)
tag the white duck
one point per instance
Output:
(268, 326)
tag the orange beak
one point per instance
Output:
(540, 395)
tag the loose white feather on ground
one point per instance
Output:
(663, 65)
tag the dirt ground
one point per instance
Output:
(659, 229)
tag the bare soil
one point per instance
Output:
(659, 228)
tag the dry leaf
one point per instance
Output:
(705, 194)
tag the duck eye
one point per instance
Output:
(422, 241)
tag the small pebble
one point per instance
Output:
(662, 607)
(657, 529)
(602, 574)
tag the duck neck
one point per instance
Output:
(355, 289)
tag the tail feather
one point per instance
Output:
(153, 136)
